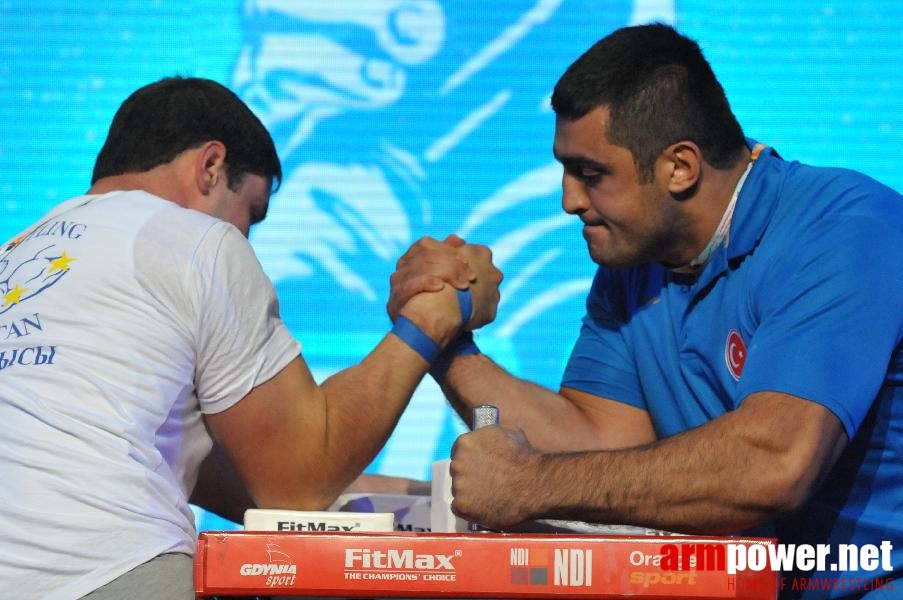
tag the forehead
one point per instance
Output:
(585, 137)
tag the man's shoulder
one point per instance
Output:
(163, 217)
(838, 189)
(165, 230)
(815, 203)
(137, 202)
(827, 220)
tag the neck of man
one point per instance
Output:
(165, 181)
(710, 212)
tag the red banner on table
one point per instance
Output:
(479, 565)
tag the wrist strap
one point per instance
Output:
(422, 344)
(465, 303)
(416, 338)
(462, 346)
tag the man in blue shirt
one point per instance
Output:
(739, 365)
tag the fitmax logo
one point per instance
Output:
(398, 559)
(313, 526)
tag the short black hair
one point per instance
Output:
(163, 119)
(659, 89)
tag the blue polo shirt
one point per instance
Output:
(805, 298)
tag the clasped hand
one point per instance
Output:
(494, 472)
(429, 265)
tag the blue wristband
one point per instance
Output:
(424, 345)
(415, 337)
(465, 303)
(462, 346)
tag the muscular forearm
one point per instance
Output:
(551, 421)
(749, 466)
(682, 484)
(364, 402)
(363, 405)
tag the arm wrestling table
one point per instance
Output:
(473, 565)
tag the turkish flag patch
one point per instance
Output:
(735, 353)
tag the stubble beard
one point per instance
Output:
(654, 246)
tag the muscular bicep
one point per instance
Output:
(273, 436)
(787, 439)
(609, 424)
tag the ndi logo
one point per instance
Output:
(529, 566)
(573, 567)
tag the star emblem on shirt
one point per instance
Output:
(61, 263)
(14, 296)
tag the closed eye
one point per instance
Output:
(589, 175)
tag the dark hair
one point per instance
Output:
(659, 89)
(161, 120)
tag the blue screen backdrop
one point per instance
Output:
(397, 119)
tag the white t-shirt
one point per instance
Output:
(123, 318)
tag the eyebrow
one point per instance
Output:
(579, 161)
(575, 159)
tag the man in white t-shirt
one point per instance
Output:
(137, 327)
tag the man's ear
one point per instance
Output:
(684, 161)
(210, 166)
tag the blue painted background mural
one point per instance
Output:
(402, 118)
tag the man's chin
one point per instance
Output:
(612, 260)
(604, 259)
